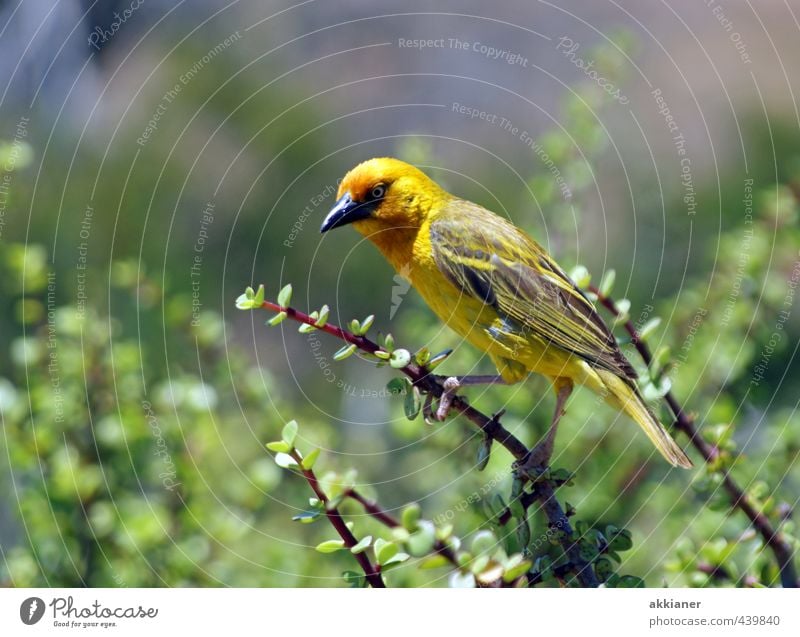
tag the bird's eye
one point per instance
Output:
(378, 191)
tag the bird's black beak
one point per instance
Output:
(346, 211)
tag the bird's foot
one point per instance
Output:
(451, 385)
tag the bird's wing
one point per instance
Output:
(493, 261)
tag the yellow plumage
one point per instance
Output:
(493, 285)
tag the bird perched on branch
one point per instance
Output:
(497, 288)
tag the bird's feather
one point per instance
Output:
(490, 259)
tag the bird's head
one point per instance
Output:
(382, 197)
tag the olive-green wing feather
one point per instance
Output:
(492, 260)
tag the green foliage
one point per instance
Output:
(134, 438)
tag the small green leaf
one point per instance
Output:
(246, 301)
(515, 567)
(330, 546)
(517, 485)
(412, 403)
(423, 356)
(305, 328)
(410, 516)
(544, 566)
(324, 313)
(423, 539)
(243, 303)
(382, 354)
(607, 282)
(484, 453)
(400, 358)
(307, 517)
(630, 581)
(649, 327)
(612, 580)
(310, 459)
(384, 551)
(277, 319)
(661, 357)
(397, 386)
(434, 561)
(388, 341)
(621, 540)
(396, 559)
(479, 563)
(366, 324)
(445, 533)
(279, 446)
(587, 551)
(603, 568)
(653, 391)
(523, 533)
(344, 352)
(400, 534)
(355, 580)
(289, 432)
(496, 504)
(285, 461)
(623, 311)
(258, 301)
(562, 476)
(362, 545)
(285, 296)
(581, 276)
(483, 542)
(355, 327)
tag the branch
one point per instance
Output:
(375, 511)
(490, 426)
(683, 422)
(372, 573)
(721, 573)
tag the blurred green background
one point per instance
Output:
(145, 181)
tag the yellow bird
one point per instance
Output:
(496, 287)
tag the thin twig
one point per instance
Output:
(372, 573)
(683, 422)
(375, 511)
(490, 426)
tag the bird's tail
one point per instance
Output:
(625, 397)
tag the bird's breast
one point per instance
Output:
(463, 313)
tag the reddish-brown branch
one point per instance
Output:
(375, 511)
(372, 573)
(773, 538)
(490, 426)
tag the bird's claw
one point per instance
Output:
(450, 385)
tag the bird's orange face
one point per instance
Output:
(381, 195)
